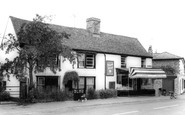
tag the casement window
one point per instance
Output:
(41, 83)
(86, 60)
(87, 83)
(55, 59)
(123, 62)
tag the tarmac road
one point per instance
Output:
(150, 107)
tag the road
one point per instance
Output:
(165, 107)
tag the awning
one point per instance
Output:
(146, 73)
(122, 69)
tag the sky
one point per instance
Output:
(160, 23)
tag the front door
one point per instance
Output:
(69, 85)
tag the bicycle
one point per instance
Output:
(172, 95)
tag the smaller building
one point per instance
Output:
(174, 66)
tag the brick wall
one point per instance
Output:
(173, 63)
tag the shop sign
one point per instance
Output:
(109, 68)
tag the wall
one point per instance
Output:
(181, 67)
(173, 63)
(117, 64)
(178, 65)
(12, 86)
(13, 83)
(149, 62)
(99, 71)
(133, 61)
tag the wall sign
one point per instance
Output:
(110, 68)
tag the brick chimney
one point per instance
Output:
(150, 51)
(93, 26)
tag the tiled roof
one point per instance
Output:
(81, 39)
(165, 55)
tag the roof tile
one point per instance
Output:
(81, 39)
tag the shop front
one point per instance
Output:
(139, 81)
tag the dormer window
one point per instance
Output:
(123, 62)
(86, 60)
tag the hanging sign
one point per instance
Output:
(110, 68)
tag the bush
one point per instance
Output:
(92, 94)
(4, 96)
(109, 93)
(38, 96)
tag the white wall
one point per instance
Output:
(133, 61)
(181, 77)
(13, 83)
(117, 64)
(149, 62)
(12, 86)
(181, 67)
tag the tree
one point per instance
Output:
(169, 70)
(38, 47)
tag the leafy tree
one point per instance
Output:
(169, 70)
(38, 47)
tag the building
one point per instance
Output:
(104, 61)
(174, 81)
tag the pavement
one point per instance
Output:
(116, 100)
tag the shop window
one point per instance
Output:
(123, 62)
(125, 82)
(86, 60)
(147, 83)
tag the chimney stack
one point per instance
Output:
(150, 51)
(93, 26)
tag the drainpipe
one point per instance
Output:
(105, 70)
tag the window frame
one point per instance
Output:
(123, 62)
(85, 82)
(87, 60)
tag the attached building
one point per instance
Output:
(176, 81)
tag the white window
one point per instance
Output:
(81, 83)
(89, 83)
(89, 61)
(81, 61)
(123, 62)
(86, 60)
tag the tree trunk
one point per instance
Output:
(31, 85)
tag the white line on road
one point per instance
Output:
(129, 112)
(165, 107)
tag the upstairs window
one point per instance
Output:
(123, 62)
(86, 60)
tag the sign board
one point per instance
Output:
(109, 68)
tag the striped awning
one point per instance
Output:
(146, 73)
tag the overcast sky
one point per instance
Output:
(160, 23)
